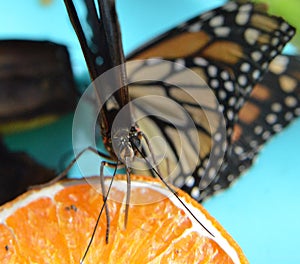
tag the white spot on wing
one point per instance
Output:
(190, 181)
(216, 21)
(284, 27)
(229, 86)
(256, 55)
(290, 101)
(214, 83)
(258, 130)
(222, 31)
(251, 35)
(200, 61)
(196, 27)
(271, 119)
(195, 193)
(242, 80)
(207, 15)
(276, 107)
(245, 67)
(231, 6)
(242, 18)
(212, 71)
(246, 8)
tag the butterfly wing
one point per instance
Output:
(102, 49)
(273, 104)
(229, 48)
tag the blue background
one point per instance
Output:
(261, 211)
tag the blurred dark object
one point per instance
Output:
(36, 84)
(18, 172)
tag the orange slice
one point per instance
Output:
(54, 225)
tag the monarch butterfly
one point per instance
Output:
(229, 47)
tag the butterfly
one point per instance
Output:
(229, 48)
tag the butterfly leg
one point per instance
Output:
(103, 207)
(105, 193)
(168, 169)
(63, 174)
(128, 192)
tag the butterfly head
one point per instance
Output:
(125, 143)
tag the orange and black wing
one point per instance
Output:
(230, 48)
(273, 104)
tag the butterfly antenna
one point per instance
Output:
(169, 187)
(105, 198)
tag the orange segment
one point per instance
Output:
(54, 225)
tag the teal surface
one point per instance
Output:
(261, 210)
